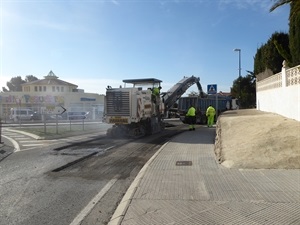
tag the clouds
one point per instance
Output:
(245, 4)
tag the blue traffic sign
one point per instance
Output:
(212, 89)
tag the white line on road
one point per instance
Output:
(26, 149)
(32, 145)
(23, 138)
(79, 218)
(15, 144)
(16, 136)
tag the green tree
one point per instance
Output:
(279, 3)
(15, 83)
(295, 5)
(30, 78)
(244, 88)
(268, 56)
(4, 89)
(294, 31)
(235, 89)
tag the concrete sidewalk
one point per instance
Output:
(183, 184)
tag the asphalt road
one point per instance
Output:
(76, 184)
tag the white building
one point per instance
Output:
(50, 92)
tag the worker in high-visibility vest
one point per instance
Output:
(156, 91)
(155, 94)
(191, 117)
(210, 113)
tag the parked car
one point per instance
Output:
(38, 116)
(76, 115)
(17, 114)
(53, 117)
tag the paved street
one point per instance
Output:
(14, 141)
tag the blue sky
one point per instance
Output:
(94, 43)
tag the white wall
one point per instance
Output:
(280, 93)
(37, 100)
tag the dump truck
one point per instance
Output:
(202, 103)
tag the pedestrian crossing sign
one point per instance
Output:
(212, 89)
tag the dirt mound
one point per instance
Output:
(251, 139)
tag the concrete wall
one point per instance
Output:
(280, 93)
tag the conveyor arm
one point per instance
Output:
(172, 95)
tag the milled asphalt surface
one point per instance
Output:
(184, 184)
(5, 150)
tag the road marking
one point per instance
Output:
(16, 136)
(24, 133)
(32, 145)
(16, 145)
(26, 149)
(79, 218)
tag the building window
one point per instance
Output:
(44, 88)
(57, 89)
(35, 88)
(53, 89)
(62, 89)
(40, 88)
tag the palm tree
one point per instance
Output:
(294, 31)
(252, 76)
(279, 3)
(295, 6)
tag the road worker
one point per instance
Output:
(156, 91)
(210, 113)
(191, 117)
(155, 94)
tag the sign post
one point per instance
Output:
(212, 89)
(0, 131)
(53, 110)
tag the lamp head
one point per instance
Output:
(237, 49)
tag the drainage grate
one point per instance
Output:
(183, 163)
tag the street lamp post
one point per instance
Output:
(239, 50)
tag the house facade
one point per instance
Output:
(42, 95)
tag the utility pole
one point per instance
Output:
(239, 79)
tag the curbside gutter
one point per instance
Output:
(121, 210)
(7, 150)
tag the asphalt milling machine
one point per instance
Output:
(140, 110)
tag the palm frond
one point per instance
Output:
(279, 3)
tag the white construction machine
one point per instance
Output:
(136, 111)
